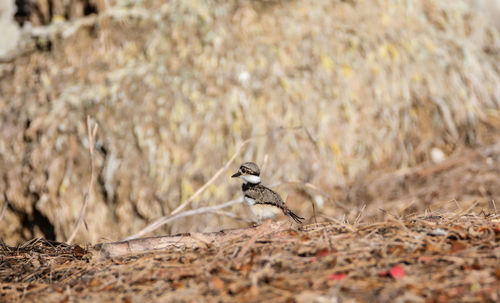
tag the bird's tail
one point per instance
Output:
(294, 216)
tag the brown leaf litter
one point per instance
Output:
(425, 258)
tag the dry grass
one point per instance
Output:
(445, 254)
(376, 120)
(176, 87)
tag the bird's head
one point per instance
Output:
(249, 172)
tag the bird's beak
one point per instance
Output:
(236, 175)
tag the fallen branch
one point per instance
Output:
(181, 241)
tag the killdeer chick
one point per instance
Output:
(264, 203)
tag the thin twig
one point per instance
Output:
(91, 136)
(215, 176)
(347, 226)
(4, 208)
(468, 209)
(197, 211)
(172, 216)
(325, 234)
(314, 211)
(358, 218)
(230, 215)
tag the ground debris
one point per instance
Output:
(365, 262)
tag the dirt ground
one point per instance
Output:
(444, 254)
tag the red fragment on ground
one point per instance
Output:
(337, 277)
(322, 252)
(397, 271)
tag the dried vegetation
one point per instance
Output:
(448, 254)
(378, 120)
(433, 258)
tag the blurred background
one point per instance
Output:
(342, 100)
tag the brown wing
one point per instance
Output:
(264, 195)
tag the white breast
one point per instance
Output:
(263, 211)
(249, 201)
